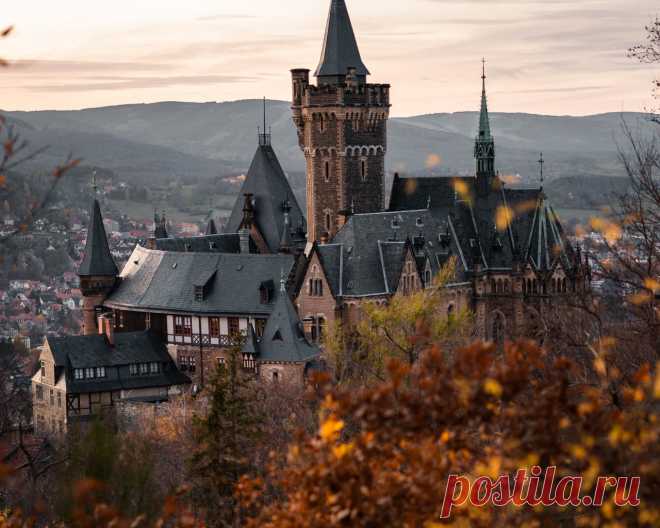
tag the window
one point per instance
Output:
(327, 171)
(59, 399)
(322, 124)
(89, 373)
(78, 374)
(39, 390)
(327, 222)
(100, 372)
(133, 369)
(363, 169)
(144, 368)
(52, 397)
(183, 325)
(199, 293)
(276, 376)
(43, 368)
(427, 278)
(259, 327)
(234, 326)
(154, 368)
(248, 361)
(183, 363)
(214, 326)
(221, 361)
(316, 287)
(192, 362)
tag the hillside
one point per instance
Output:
(158, 143)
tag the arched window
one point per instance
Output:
(327, 171)
(363, 169)
(524, 287)
(327, 222)
(493, 286)
(322, 123)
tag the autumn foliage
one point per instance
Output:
(382, 456)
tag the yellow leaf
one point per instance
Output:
(433, 160)
(656, 386)
(493, 387)
(652, 285)
(331, 428)
(342, 450)
(503, 217)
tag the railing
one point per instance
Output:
(206, 340)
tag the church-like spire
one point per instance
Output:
(484, 146)
(160, 226)
(340, 49)
(97, 261)
(484, 122)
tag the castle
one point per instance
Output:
(278, 280)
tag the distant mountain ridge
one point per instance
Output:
(212, 139)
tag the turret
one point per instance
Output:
(98, 271)
(342, 130)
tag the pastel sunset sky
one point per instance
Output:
(544, 56)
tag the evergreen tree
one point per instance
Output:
(226, 438)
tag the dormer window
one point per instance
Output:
(395, 223)
(199, 293)
(419, 222)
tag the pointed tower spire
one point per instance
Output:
(484, 147)
(484, 122)
(97, 261)
(340, 49)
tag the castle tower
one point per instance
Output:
(342, 130)
(484, 146)
(97, 272)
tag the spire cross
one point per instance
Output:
(483, 68)
(541, 162)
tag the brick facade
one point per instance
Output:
(342, 131)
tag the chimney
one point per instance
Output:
(107, 327)
(244, 236)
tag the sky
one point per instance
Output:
(554, 57)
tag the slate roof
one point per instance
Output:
(223, 243)
(283, 339)
(340, 49)
(534, 236)
(74, 352)
(97, 260)
(270, 188)
(366, 256)
(163, 281)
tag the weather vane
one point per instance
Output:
(541, 162)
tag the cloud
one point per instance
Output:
(213, 18)
(101, 83)
(40, 67)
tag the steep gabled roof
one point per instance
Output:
(270, 188)
(165, 281)
(283, 339)
(97, 261)
(340, 49)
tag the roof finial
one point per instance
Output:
(541, 162)
(95, 188)
(264, 138)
